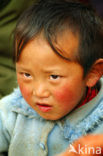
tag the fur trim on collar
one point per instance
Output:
(87, 125)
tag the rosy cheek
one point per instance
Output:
(63, 94)
(25, 92)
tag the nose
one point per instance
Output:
(41, 91)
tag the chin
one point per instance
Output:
(51, 118)
(47, 117)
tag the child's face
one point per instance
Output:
(51, 85)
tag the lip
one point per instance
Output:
(44, 107)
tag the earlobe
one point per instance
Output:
(95, 73)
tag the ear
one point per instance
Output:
(95, 73)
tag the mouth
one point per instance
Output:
(44, 107)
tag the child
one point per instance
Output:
(59, 63)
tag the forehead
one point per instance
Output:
(65, 42)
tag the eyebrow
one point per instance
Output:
(21, 67)
(52, 70)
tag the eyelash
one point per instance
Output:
(54, 77)
(27, 75)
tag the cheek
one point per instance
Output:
(26, 93)
(63, 94)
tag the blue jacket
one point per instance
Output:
(24, 133)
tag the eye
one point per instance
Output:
(27, 75)
(54, 77)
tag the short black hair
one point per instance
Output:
(52, 16)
